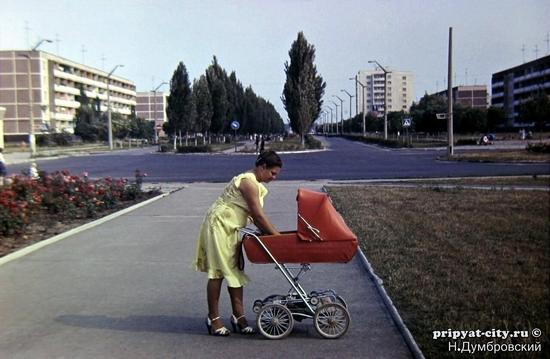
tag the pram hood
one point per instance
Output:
(318, 220)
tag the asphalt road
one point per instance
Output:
(345, 160)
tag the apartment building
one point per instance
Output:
(399, 87)
(151, 106)
(56, 84)
(513, 87)
(474, 96)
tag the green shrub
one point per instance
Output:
(542, 147)
(194, 149)
(164, 148)
(466, 142)
(312, 143)
(54, 139)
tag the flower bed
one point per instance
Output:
(31, 208)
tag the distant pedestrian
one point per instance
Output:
(33, 171)
(257, 143)
(3, 171)
(262, 144)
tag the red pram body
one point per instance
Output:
(322, 236)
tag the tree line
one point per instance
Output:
(535, 111)
(213, 101)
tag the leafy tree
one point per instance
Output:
(469, 120)
(89, 123)
(215, 77)
(304, 88)
(495, 118)
(180, 108)
(424, 113)
(203, 104)
(395, 121)
(537, 110)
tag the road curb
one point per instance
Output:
(34, 247)
(407, 336)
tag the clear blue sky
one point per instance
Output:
(252, 38)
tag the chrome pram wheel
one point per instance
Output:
(331, 320)
(275, 321)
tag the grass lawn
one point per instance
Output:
(459, 259)
(518, 155)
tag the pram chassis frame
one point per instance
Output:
(283, 268)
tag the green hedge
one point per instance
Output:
(312, 143)
(194, 149)
(542, 147)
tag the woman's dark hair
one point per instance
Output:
(270, 159)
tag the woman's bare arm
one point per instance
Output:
(250, 194)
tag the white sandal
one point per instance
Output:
(237, 329)
(221, 332)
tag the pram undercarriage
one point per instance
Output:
(322, 237)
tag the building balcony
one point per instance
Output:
(63, 116)
(97, 84)
(67, 89)
(67, 103)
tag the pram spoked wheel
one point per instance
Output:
(275, 321)
(331, 320)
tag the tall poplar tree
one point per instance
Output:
(215, 76)
(203, 104)
(180, 108)
(304, 88)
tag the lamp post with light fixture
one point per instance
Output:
(109, 120)
(385, 96)
(155, 110)
(32, 140)
(357, 82)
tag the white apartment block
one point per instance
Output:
(56, 84)
(399, 87)
(151, 106)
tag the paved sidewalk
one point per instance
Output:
(125, 289)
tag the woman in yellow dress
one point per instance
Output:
(218, 241)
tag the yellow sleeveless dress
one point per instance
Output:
(218, 238)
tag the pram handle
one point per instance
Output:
(312, 229)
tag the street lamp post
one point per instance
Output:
(341, 113)
(32, 141)
(385, 96)
(109, 121)
(330, 127)
(350, 97)
(155, 110)
(357, 82)
(336, 115)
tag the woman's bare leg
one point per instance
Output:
(213, 290)
(236, 295)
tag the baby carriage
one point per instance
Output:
(321, 237)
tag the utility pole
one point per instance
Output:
(450, 96)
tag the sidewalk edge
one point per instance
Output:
(407, 336)
(34, 247)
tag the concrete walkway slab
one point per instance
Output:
(125, 290)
